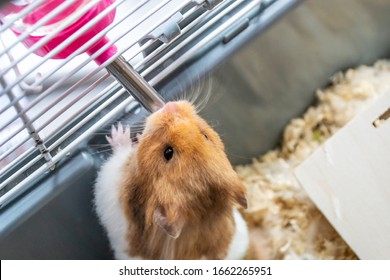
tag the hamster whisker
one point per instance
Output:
(182, 90)
(168, 249)
(102, 151)
(198, 92)
(202, 100)
(240, 157)
(206, 97)
(181, 94)
(138, 124)
(213, 124)
(194, 94)
(138, 128)
(99, 145)
(189, 93)
(100, 133)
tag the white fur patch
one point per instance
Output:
(107, 203)
(240, 242)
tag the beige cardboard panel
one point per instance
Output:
(348, 178)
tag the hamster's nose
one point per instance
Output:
(171, 107)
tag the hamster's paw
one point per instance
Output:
(138, 138)
(120, 137)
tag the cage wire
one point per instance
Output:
(49, 106)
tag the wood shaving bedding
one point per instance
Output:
(285, 222)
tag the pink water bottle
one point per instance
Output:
(45, 8)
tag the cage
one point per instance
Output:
(262, 60)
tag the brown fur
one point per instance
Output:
(190, 197)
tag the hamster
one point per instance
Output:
(174, 193)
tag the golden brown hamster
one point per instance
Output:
(172, 195)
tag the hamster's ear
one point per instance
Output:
(241, 199)
(239, 193)
(171, 226)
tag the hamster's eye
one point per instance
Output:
(168, 153)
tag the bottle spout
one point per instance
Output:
(135, 84)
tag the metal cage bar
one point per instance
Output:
(90, 94)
